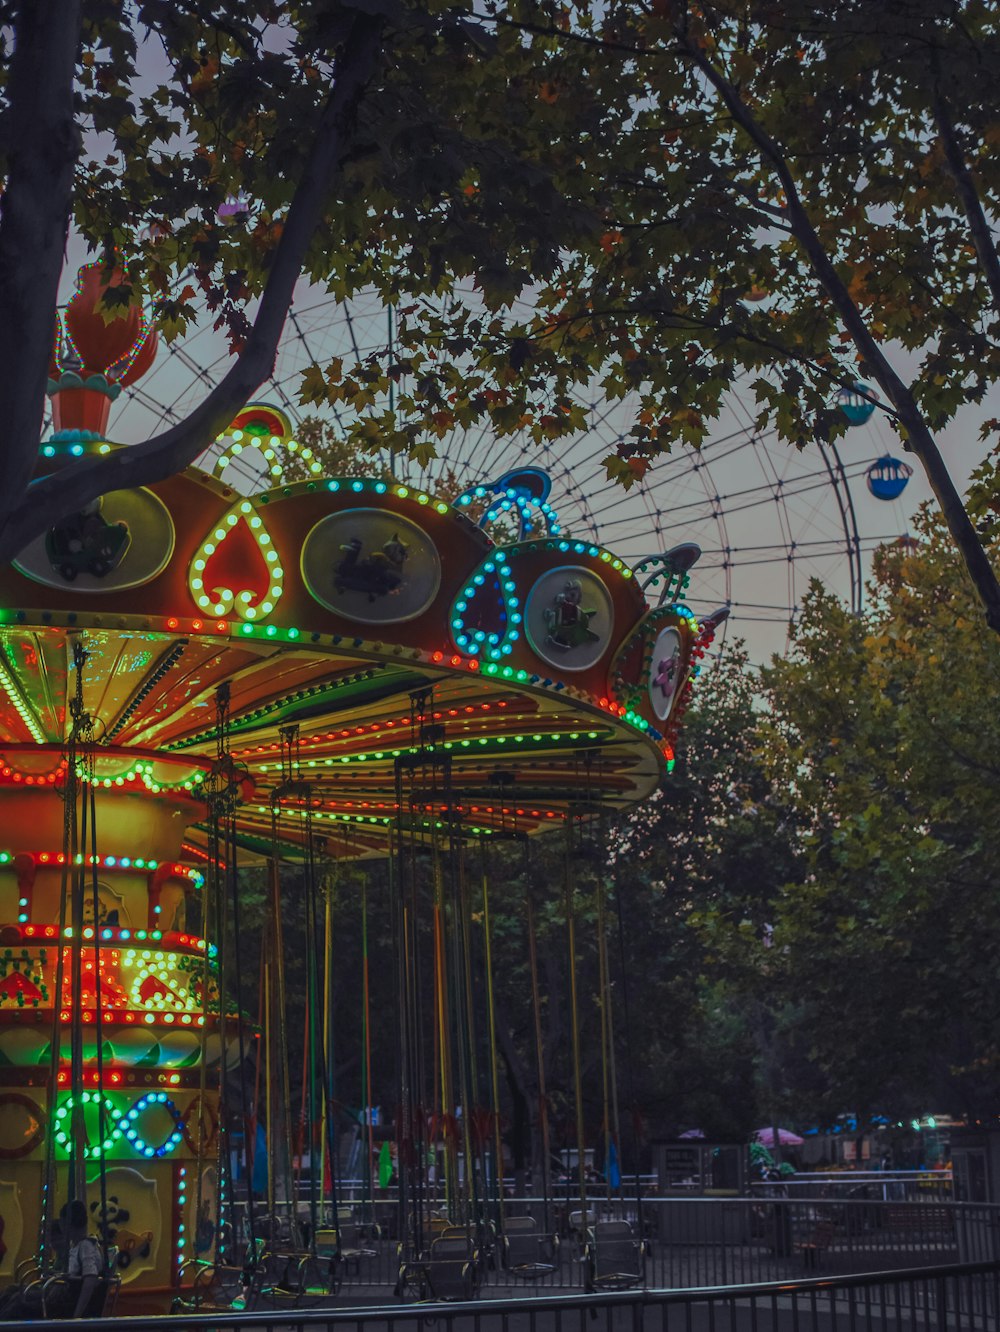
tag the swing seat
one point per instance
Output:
(27, 1271)
(58, 1292)
(579, 1224)
(450, 1272)
(254, 1255)
(280, 1277)
(353, 1250)
(215, 1288)
(318, 1275)
(482, 1235)
(435, 1225)
(615, 1259)
(322, 1270)
(528, 1253)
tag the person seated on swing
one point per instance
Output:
(77, 1292)
(85, 1266)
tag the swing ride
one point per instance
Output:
(194, 680)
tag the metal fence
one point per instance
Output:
(713, 1241)
(949, 1298)
(705, 1241)
(889, 1185)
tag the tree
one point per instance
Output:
(847, 154)
(817, 876)
(229, 148)
(323, 445)
(884, 735)
(803, 194)
(699, 871)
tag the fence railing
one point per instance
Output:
(943, 1298)
(719, 1241)
(889, 1185)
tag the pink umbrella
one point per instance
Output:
(786, 1137)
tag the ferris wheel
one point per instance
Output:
(767, 517)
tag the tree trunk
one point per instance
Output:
(919, 437)
(25, 515)
(44, 143)
(521, 1091)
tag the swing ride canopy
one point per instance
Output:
(377, 621)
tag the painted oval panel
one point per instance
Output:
(122, 540)
(371, 565)
(569, 617)
(666, 674)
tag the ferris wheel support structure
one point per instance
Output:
(848, 516)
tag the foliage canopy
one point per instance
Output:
(799, 195)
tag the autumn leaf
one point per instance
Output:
(313, 386)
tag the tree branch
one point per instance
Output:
(732, 331)
(71, 487)
(918, 437)
(34, 218)
(966, 760)
(582, 39)
(982, 237)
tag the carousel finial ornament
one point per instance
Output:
(95, 355)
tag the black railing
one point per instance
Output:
(724, 1241)
(887, 1185)
(946, 1298)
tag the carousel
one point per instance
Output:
(200, 676)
